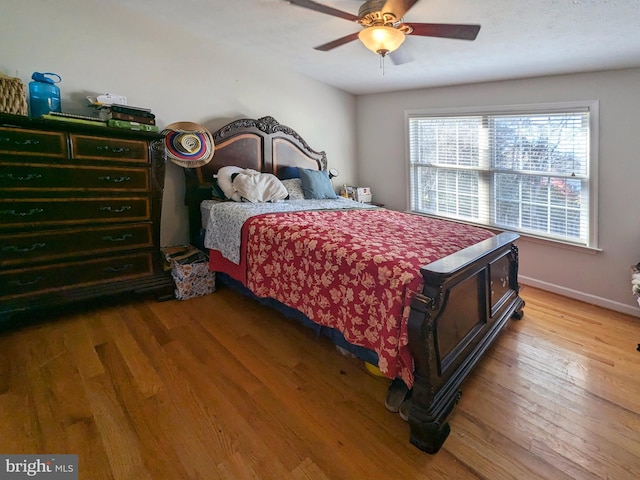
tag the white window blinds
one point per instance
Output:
(520, 171)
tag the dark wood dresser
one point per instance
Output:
(79, 213)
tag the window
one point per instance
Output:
(529, 169)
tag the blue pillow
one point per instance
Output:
(216, 191)
(287, 173)
(316, 184)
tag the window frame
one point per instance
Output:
(592, 106)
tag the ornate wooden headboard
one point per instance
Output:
(263, 144)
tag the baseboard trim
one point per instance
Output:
(584, 297)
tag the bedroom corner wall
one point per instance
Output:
(601, 278)
(100, 47)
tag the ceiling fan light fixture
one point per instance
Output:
(381, 39)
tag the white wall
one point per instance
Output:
(97, 47)
(601, 278)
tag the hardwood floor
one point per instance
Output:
(220, 387)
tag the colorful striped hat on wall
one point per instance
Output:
(188, 144)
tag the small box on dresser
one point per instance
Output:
(79, 213)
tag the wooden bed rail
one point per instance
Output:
(466, 301)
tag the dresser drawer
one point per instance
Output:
(74, 274)
(29, 176)
(17, 141)
(62, 211)
(21, 248)
(85, 147)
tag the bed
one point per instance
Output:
(458, 284)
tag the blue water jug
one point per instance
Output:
(44, 94)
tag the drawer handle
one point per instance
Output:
(25, 283)
(13, 248)
(119, 269)
(28, 141)
(113, 149)
(116, 210)
(121, 238)
(107, 178)
(15, 213)
(29, 176)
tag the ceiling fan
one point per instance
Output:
(383, 29)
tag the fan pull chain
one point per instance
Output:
(382, 63)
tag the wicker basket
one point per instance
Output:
(13, 96)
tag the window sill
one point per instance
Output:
(527, 236)
(560, 244)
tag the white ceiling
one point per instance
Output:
(518, 39)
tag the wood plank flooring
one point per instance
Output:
(219, 387)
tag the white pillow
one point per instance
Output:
(254, 187)
(294, 187)
(225, 183)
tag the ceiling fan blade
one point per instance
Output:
(318, 7)
(445, 30)
(338, 42)
(401, 56)
(398, 7)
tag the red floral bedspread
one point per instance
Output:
(353, 270)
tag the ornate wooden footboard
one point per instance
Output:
(466, 301)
